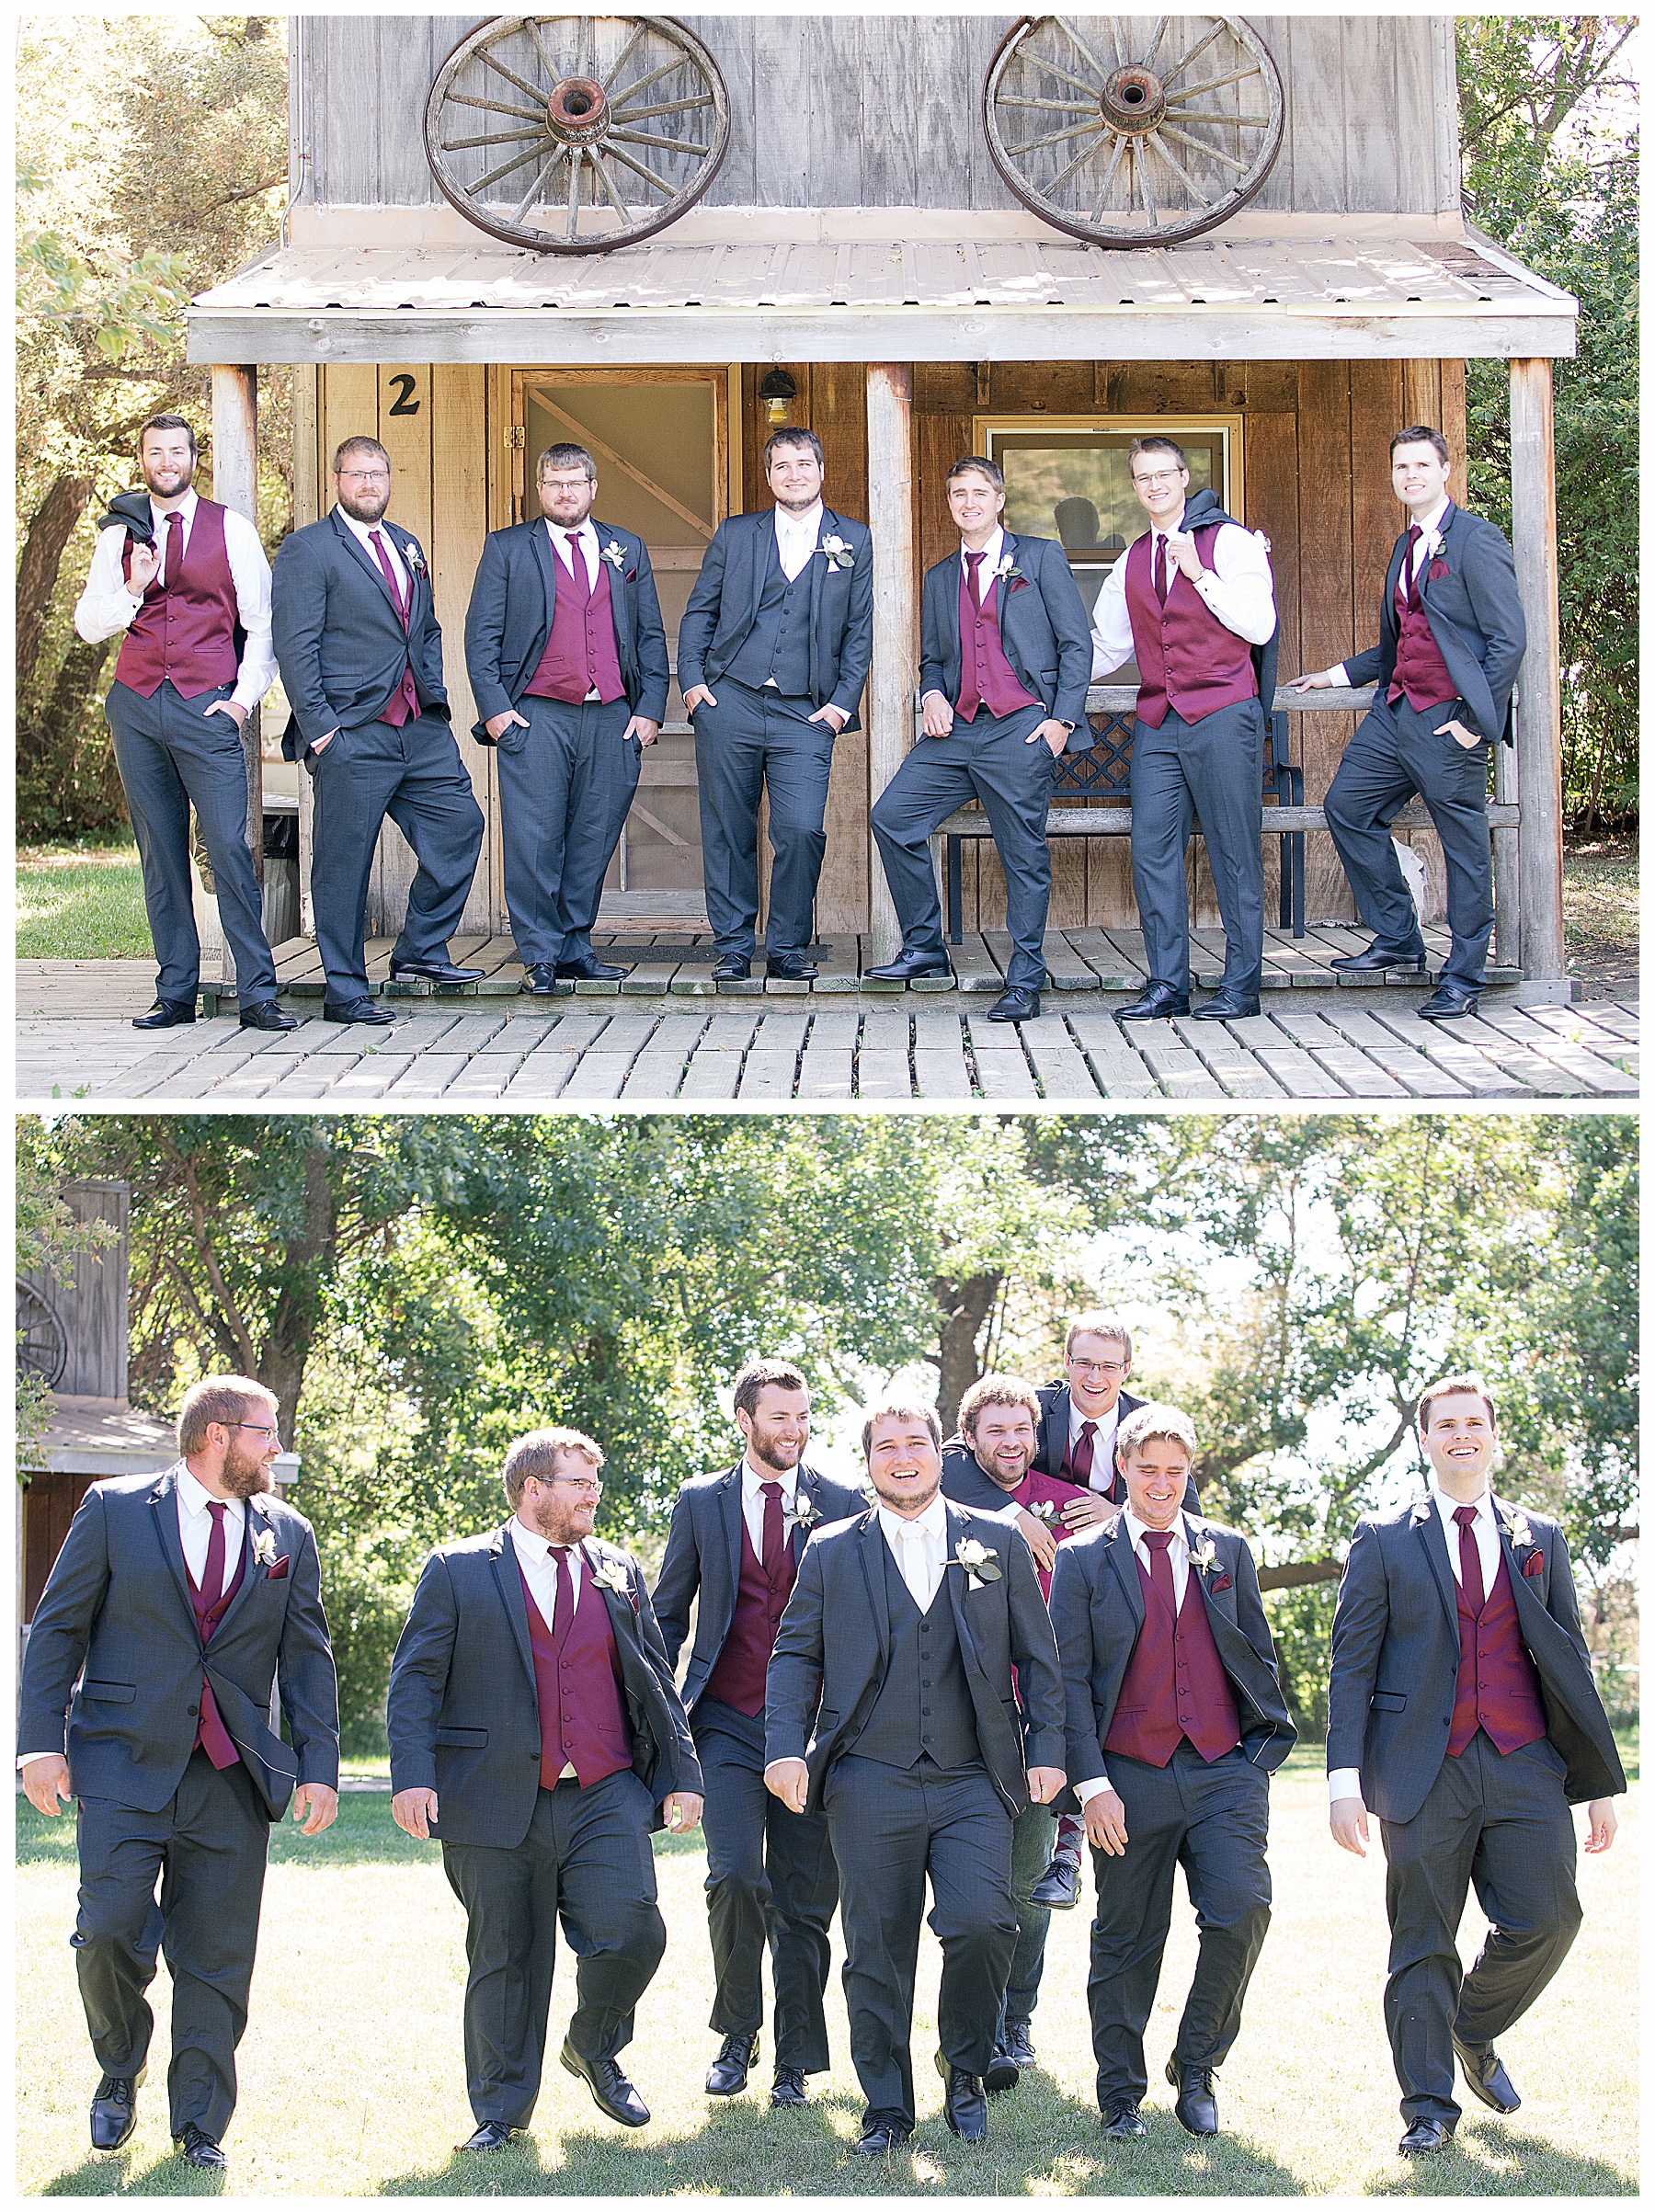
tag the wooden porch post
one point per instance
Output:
(235, 485)
(895, 671)
(1539, 728)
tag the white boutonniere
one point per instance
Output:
(414, 558)
(610, 1574)
(1521, 1534)
(836, 553)
(615, 555)
(1044, 1510)
(1204, 1555)
(264, 1548)
(1007, 571)
(802, 1513)
(979, 1562)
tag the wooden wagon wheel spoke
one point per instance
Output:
(1094, 178)
(596, 180)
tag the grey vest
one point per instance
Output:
(924, 1707)
(778, 644)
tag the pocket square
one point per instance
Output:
(1017, 584)
(277, 1569)
(1534, 1564)
(1222, 1583)
(1437, 571)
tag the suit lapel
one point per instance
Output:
(1123, 1560)
(547, 560)
(620, 599)
(958, 1586)
(1003, 589)
(1427, 1523)
(870, 1550)
(164, 1505)
(508, 1576)
(622, 1619)
(761, 544)
(729, 1507)
(359, 553)
(810, 1483)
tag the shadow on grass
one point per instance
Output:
(1493, 2158)
(113, 2174)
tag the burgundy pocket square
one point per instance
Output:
(1534, 1565)
(277, 1569)
(1222, 1583)
(1437, 571)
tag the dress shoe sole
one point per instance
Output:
(1189, 2128)
(1004, 2073)
(733, 2090)
(1118, 2132)
(1448, 1013)
(1155, 1013)
(543, 990)
(1052, 1902)
(1212, 1012)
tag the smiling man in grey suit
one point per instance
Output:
(175, 1605)
(733, 1549)
(772, 654)
(535, 1731)
(1005, 658)
(1462, 1710)
(356, 634)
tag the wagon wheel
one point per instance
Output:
(42, 1341)
(575, 134)
(1141, 132)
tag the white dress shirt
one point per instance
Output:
(1430, 538)
(1178, 1555)
(796, 539)
(1346, 1781)
(919, 1547)
(752, 1500)
(1103, 1441)
(106, 608)
(1238, 591)
(365, 532)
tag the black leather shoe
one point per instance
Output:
(1159, 1003)
(1426, 2136)
(907, 966)
(611, 2092)
(882, 2134)
(1228, 1005)
(790, 968)
(115, 2110)
(263, 1013)
(732, 967)
(433, 970)
(1016, 1006)
(726, 2077)
(788, 2088)
(1196, 2107)
(1001, 2072)
(167, 1013)
(368, 1011)
(492, 2136)
(1449, 1002)
(1058, 1887)
(1377, 961)
(540, 981)
(199, 2149)
(964, 2106)
(1015, 2036)
(590, 969)
(1124, 2124)
(1486, 2078)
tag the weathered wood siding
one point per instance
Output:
(885, 110)
(89, 1296)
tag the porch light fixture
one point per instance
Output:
(778, 392)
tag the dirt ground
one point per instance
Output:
(1600, 915)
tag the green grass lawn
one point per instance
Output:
(352, 2083)
(81, 903)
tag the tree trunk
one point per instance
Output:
(1301, 1572)
(50, 531)
(312, 1256)
(965, 1308)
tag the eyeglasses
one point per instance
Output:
(1160, 477)
(365, 476)
(1103, 1367)
(258, 1428)
(585, 1485)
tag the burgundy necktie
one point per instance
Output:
(172, 560)
(1160, 566)
(1410, 572)
(1081, 1458)
(212, 1580)
(1160, 1568)
(974, 578)
(562, 1599)
(571, 554)
(383, 559)
(771, 1558)
(1471, 1580)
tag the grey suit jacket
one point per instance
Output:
(702, 1563)
(725, 604)
(116, 1605)
(1043, 626)
(835, 1641)
(339, 640)
(1098, 1614)
(464, 1714)
(1475, 618)
(510, 619)
(1395, 1656)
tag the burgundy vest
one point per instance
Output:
(986, 674)
(184, 630)
(211, 1735)
(1499, 1689)
(1420, 672)
(1154, 1712)
(1186, 657)
(738, 1678)
(580, 649)
(1038, 1488)
(577, 1686)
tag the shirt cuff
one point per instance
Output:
(1086, 1791)
(1344, 1782)
(1337, 673)
(24, 1757)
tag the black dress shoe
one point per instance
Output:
(907, 966)
(1058, 1887)
(115, 2110)
(1196, 2107)
(1486, 2078)
(1124, 2123)
(1449, 1002)
(726, 2077)
(788, 2088)
(1159, 1003)
(263, 1013)
(491, 2136)
(433, 970)
(1016, 1006)
(732, 967)
(590, 969)
(790, 968)
(199, 2149)
(1377, 961)
(540, 981)
(964, 2106)
(1015, 2036)
(369, 1010)
(882, 2133)
(1426, 2136)
(1228, 1005)
(1001, 2072)
(611, 2092)
(167, 1013)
